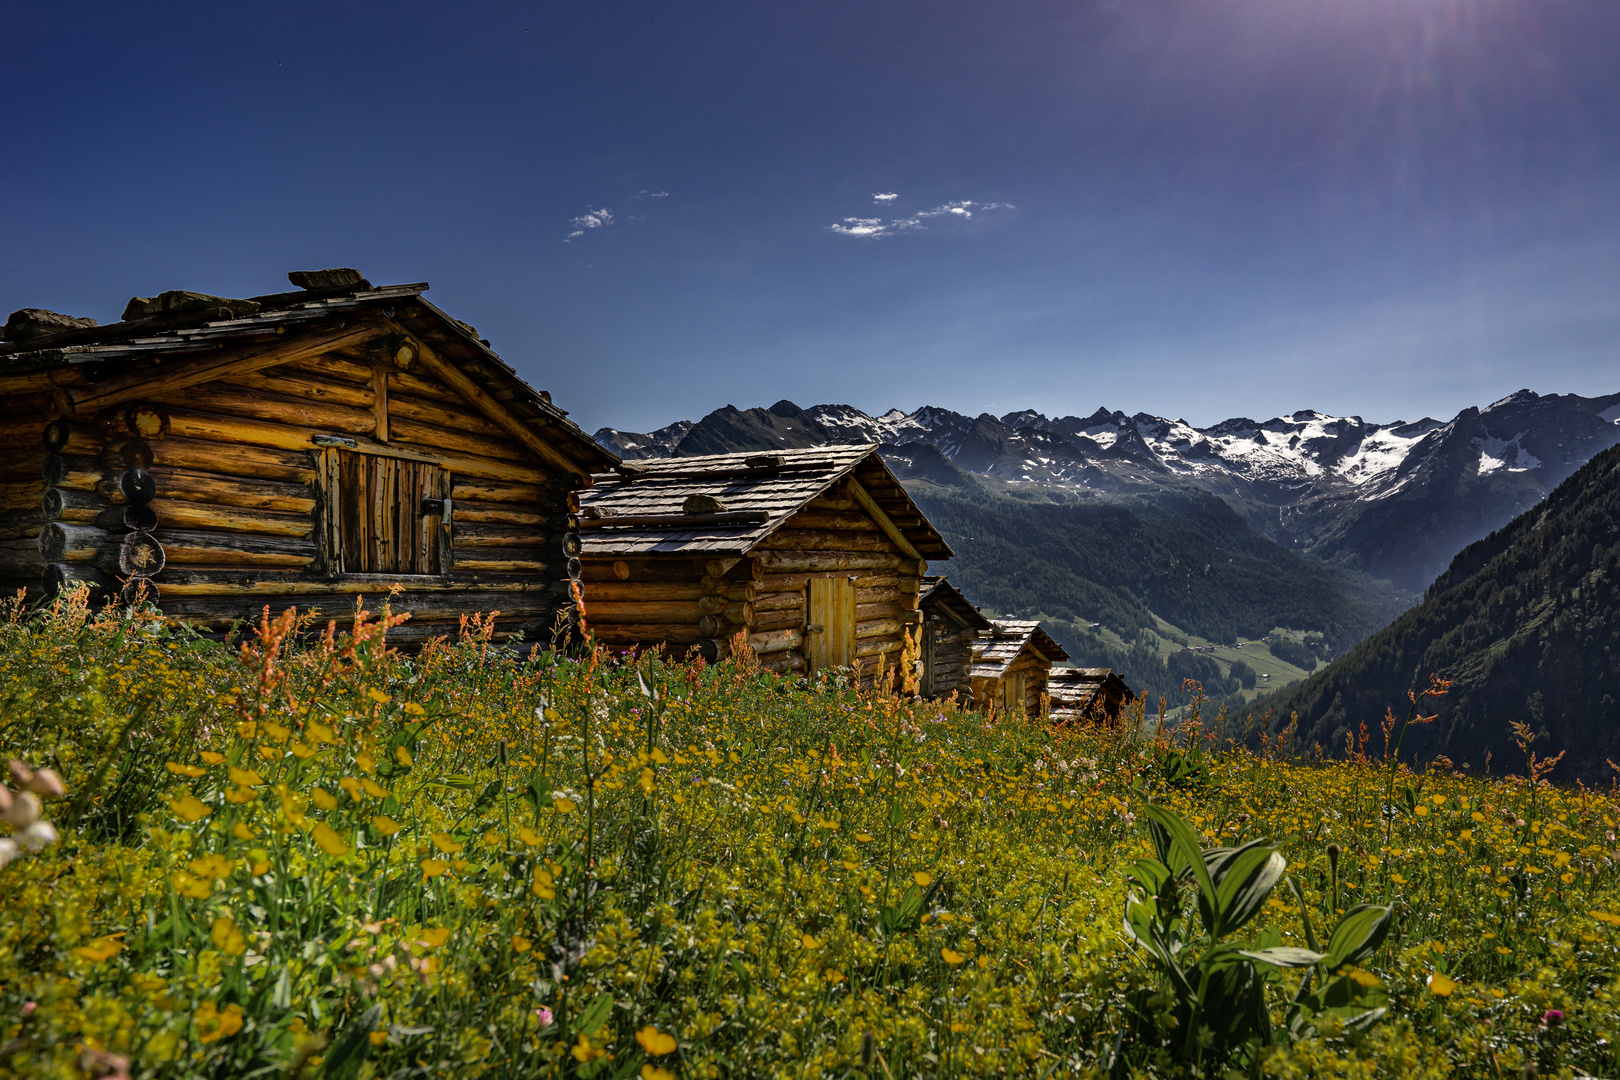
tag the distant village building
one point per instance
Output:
(300, 448)
(1011, 664)
(815, 555)
(1091, 694)
(950, 626)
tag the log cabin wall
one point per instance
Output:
(798, 525)
(337, 473)
(1010, 652)
(950, 626)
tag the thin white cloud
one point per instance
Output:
(871, 228)
(645, 194)
(857, 226)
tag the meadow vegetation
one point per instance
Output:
(304, 854)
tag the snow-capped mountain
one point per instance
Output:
(1395, 499)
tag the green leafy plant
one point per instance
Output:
(1215, 1012)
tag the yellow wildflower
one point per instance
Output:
(190, 808)
(214, 1023)
(655, 1042)
(103, 948)
(329, 841)
(227, 938)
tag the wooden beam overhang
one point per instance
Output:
(890, 529)
(458, 380)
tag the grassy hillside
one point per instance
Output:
(1526, 625)
(325, 860)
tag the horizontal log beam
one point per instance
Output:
(236, 459)
(600, 591)
(785, 562)
(775, 641)
(185, 547)
(808, 540)
(191, 485)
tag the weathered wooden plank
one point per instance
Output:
(764, 621)
(785, 561)
(775, 641)
(289, 381)
(193, 485)
(831, 521)
(184, 547)
(184, 514)
(501, 561)
(645, 634)
(227, 458)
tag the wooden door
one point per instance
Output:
(385, 515)
(1013, 687)
(830, 623)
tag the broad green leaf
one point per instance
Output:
(1247, 881)
(1284, 956)
(1185, 844)
(1219, 859)
(1358, 934)
(1151, 874)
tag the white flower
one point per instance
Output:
(8, 850)
(38, 835)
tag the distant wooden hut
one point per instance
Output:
(1092, 694)
(1011, 663)
(950, 626)
(297, 448)
(814, 554)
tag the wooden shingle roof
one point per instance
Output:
(935, 593)
(642, 508)
(208, 325)
(1073, 689)
(999, 646)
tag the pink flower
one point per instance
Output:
(543, 1014)
(1552, 1017)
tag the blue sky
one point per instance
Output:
(1196, 208)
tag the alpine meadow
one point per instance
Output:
(302, 853)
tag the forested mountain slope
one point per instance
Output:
(1526, 624)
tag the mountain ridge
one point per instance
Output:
(1395, 500)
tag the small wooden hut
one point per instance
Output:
(1011, 663)
(1097, 695)
(299, 448)
(950, 626)
(814, 554)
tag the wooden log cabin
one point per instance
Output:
(815, 555)
(301, 448)
(1093, 695)
(950, 627)
(1011, 664)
